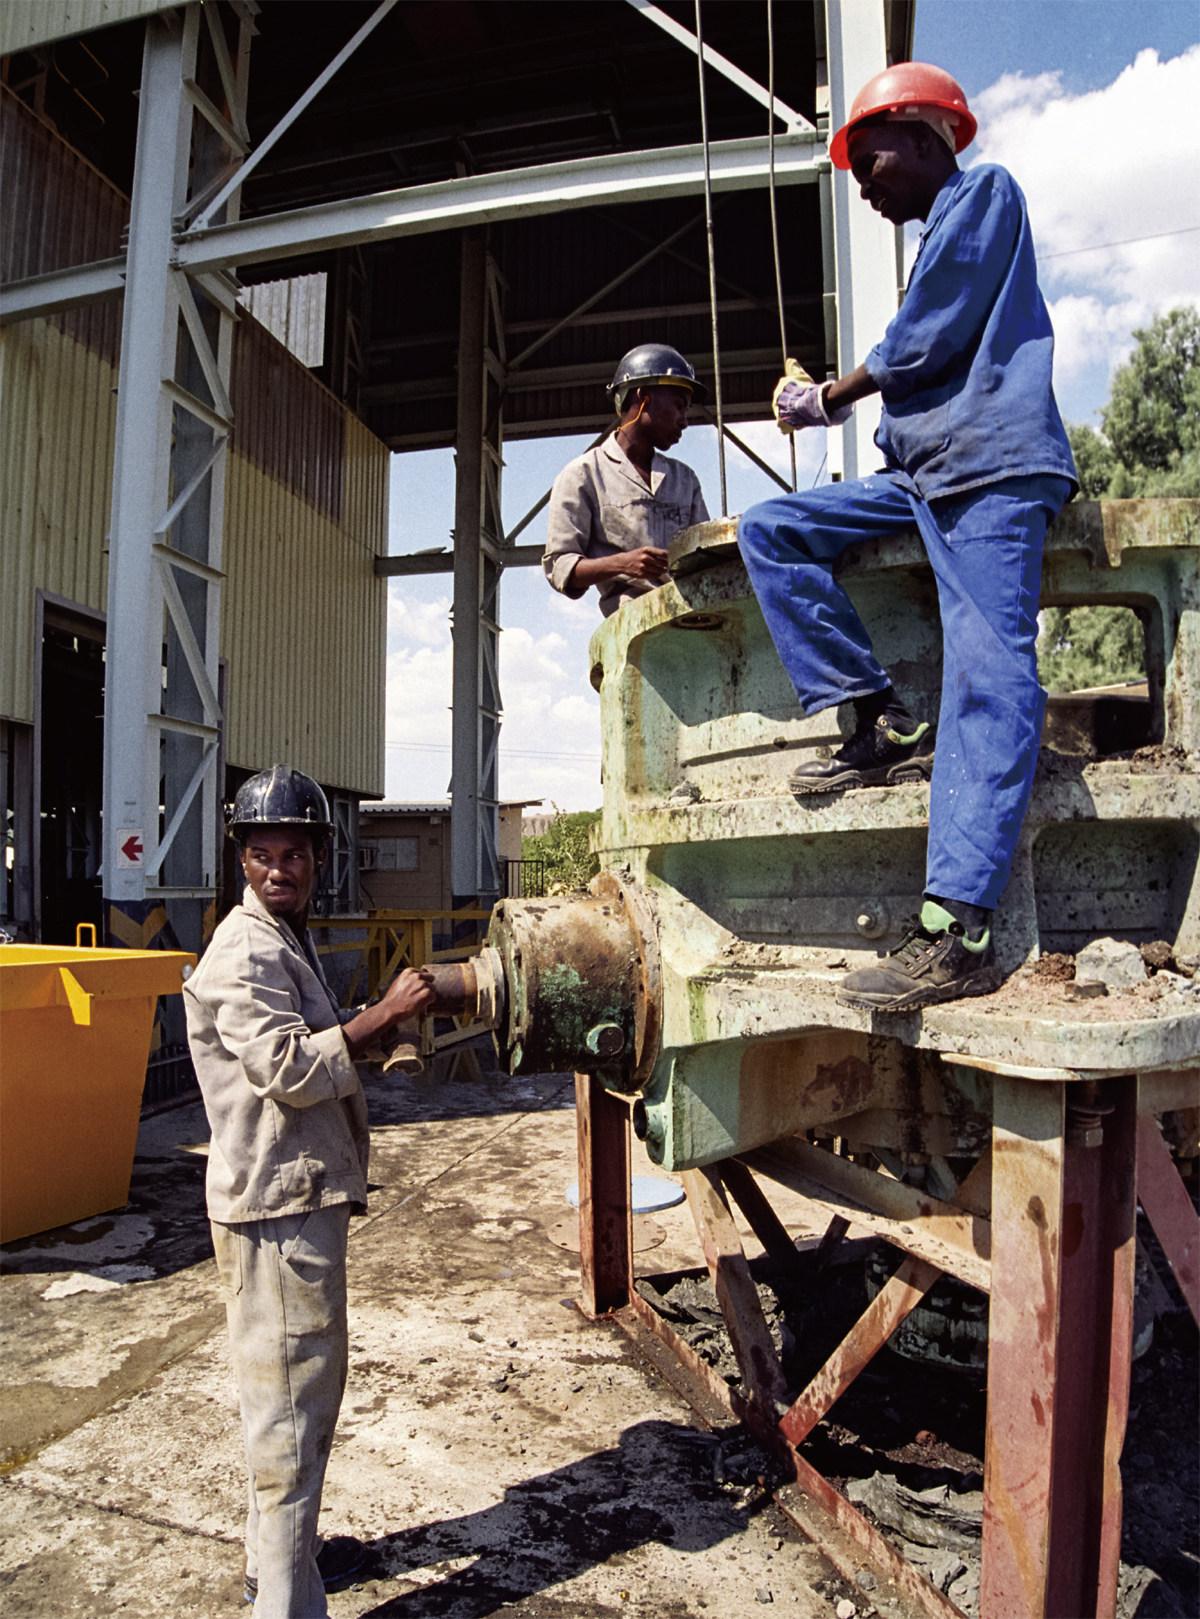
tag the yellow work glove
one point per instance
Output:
(793, 372)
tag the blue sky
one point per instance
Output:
(1092, 105)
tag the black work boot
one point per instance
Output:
(340, 1560)
(876, 755)
(936, 960)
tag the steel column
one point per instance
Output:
(865, 246)
(605, 1203)
(142, 469)
(1060, 1344)
(173, 421)
(475, 870)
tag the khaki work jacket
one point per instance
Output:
(284, 1100)
(600, 505)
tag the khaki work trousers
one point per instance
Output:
(284, 1282)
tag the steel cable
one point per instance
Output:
(712, 266)
(774, 217)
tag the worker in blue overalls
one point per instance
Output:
(976, 456)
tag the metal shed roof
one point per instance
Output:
(445, 88)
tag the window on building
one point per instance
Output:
(391, 854)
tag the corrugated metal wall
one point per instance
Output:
(26, 23)
(304, 614)
(304, 617)
(56, 451)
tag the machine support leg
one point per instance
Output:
(605, 1218)
(831, 1241)
(1169, 1210)
(761, 1217)
(1060, 1342)
(735, 1290)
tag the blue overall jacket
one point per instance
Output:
(965, 366)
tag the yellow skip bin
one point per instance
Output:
(74, 1038)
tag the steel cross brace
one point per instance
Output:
(1051, 1214)
(791, 119)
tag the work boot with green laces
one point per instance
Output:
(878, 754)
(936, 960)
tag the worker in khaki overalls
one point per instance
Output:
(287, 1167)
(976, 459)
(614, 508)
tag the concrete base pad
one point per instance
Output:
(499, 1453)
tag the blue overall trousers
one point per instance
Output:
(985, 548)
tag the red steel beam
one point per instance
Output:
(735, 1290)
(1168, 1207)
(903, 1292)
(923, 1600)
(817, 1509)
(1060, 1343)
(605, 1213)
(760, 1216)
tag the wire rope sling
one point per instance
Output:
(718, 396)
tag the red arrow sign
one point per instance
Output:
(132, 848)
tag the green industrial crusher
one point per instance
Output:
(1004, 1141)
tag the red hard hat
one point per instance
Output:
(908, 84)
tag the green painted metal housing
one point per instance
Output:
(758, 902)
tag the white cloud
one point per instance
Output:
(1101, 167)
(1088, 331)
(550, 736)
(425, 622)
(767, 442)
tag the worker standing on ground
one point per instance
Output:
(287, 1166)
(614, 508)
(976, 456)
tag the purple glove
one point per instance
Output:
(802, 404)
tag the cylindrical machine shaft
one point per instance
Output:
(575, 972)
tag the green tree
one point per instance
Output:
(565, 847)
(1152, 419)
(1080, 647)
(1149, 445)
(1094, 461)
(1150, 438)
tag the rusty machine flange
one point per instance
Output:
(575, 983)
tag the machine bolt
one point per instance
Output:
(605, 1040)
(1086, 1112)
(872, 921)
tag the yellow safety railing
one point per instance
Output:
(388, 941)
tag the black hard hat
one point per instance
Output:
(652, 365)
(280, 796)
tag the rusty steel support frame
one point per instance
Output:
(1045, 1223)
(605, 1205)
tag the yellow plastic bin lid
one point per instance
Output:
(44, 975)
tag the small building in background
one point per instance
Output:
(404, 855)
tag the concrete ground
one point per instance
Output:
(499, 1453)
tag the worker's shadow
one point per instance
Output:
(659, 1484)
